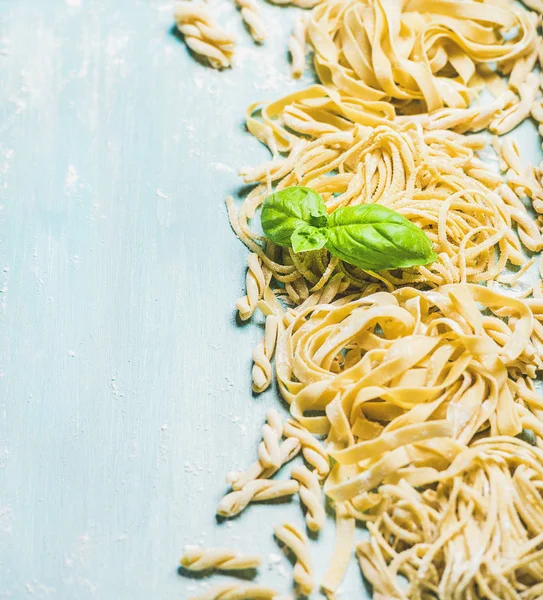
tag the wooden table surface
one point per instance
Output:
(124, 378)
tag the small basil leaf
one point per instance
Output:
(317, 220)
(528, 436)
(375, 238)
(287, 210)
(308, 238)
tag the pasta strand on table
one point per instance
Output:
(296, 541)
(201, 559)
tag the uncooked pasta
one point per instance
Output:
(476, 535)
(203, 559)
(435, 179)
(295, 540)
(240, 591)
(203, 35)
(412, 394)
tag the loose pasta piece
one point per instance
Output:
(223, 559)
(255, 491)
(296, 541)
(513, 116)
(312, 449)
(297, 47)
(240, 591)
(287, 450)
(255, 286)
(311, 496)
(262, 355)
(343, 551)
(203, 35)
(269, 453)
(251, 15)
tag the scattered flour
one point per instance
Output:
(72, 177)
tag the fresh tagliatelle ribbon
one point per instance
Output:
(389, 371)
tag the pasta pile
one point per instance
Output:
(202, 34)
(412, 397)
(433, 178)
(395, 380)
(484, 521)
(430, 53)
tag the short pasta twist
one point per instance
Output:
(251, 16)
(255, 491)
(223, 559)
(296, 541)
(269, 453)
(256, 283)
(312, 449)
(202, 34)
(509, 118)
(311, 496)
(262, 355)
(297, 47)
(287, 450)
(240, 591)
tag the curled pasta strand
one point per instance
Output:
(262, 355)
(256, 283)
(297, 47)
(201, 559)
(288, 450)
(202, 34)
(251, 15)
(312, 449)
(311, 496)
(269, 453)
(296, 541)
(255, 491)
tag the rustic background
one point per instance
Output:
(124, 378)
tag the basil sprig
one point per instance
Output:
(369, 236)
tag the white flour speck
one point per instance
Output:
(161, 194)
(219, 166)
(72, 177)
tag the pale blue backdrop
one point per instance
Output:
(124, 379)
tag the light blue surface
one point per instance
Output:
(124, 380)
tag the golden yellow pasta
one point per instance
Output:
(203, 35)
(411, 391)
(296, 541)
(202, 559)
(476, 535)
(433, 178)
(240, 591)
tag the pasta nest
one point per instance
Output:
(400, 383)
(476, 535)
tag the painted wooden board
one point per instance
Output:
(124, 378)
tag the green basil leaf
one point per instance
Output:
(528, 436)
(290, 209)
(375, 238)
(308, 238)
